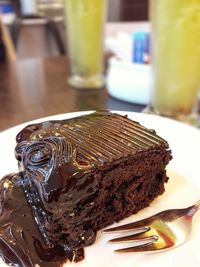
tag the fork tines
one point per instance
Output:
(141, 235)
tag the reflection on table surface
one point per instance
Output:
(32, 88)
(35, 88)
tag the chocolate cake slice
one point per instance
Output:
(83, 174)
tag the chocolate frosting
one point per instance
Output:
(50, 162)
(71, 148)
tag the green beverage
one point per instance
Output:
(175, 55)
(85, 29)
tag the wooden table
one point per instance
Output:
(34, 88)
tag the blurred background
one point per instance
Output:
(37, 26)
(35, 61)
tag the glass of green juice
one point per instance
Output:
(85, 20)
(175, 39)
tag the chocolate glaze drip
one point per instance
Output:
(59, 164)
(21, 243)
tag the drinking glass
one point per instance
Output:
(175, 54)
(85, 20)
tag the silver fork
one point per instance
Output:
(162, 231)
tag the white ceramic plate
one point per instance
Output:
(182, 190)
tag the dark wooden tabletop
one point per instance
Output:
(35, 88)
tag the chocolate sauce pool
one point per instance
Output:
(21, 243)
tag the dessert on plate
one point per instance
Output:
(76, 176)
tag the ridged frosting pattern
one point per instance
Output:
(100, 137)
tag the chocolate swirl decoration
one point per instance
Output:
(40, 158)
